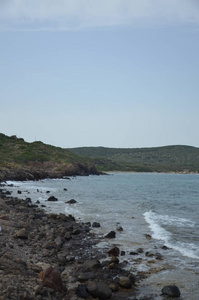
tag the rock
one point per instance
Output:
(61, 257)
(91, 264)
(114, 251)
(99, 289)
(140, 250)
(133, 253)
(76, 231)
(148, 236)
(86, 276)
(171, 290)
(72, 201)
(59, 242)
(52, 198)
(65, 189)
(51, 278)
(18, 192)
(158, 256)
(120, 228)
(132, 278)
(81, 291)
(22, 233)
(165, 247)
(96, 225)
(110, 235)
(114, 287)
(122, 253)
(149, 254)
(4, 217)
(125, 282)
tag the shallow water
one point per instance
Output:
(162, 205)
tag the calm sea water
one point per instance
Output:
(165, 206)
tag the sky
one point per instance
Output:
(112, 73)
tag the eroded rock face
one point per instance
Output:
(51, 278)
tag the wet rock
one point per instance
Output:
(171, 290)
(51, 278)
(110, 235)
(18, 192)
(125, 282)
(81, 291)
(165, 247)
(99, 289)
(132, 278)
(158, 256)
(65, 189)
(140, 250)
(120, 228)
(22, 234)
(115, 251)
(122, 253)
(133, 253)
(52, 198)
(149, 254)
(96, 225)
(72, 201)
(148, 236)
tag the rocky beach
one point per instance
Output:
(51, 256)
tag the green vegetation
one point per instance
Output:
(161, 159)
(20, 160)
(14, 150)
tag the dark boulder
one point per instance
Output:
(115, 251)
(99, 289)
(72, 201)
(171, 290)
(52, 198)
(110, 235)
(81, 291)
(96, 225)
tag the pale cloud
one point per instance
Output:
(75, 14)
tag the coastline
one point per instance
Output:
(32, 241)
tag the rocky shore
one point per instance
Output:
(38, 171)
(51, 256)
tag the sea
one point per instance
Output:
(153, 211)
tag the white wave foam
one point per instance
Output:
(158, 232)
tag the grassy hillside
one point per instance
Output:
(38, 160)
(160, 159)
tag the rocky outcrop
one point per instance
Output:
(42, 171)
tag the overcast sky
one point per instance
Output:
(115, 73)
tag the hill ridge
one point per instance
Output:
(170, 158)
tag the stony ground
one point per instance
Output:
(49, 256)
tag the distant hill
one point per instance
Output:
(159, 159)
(20, 160)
